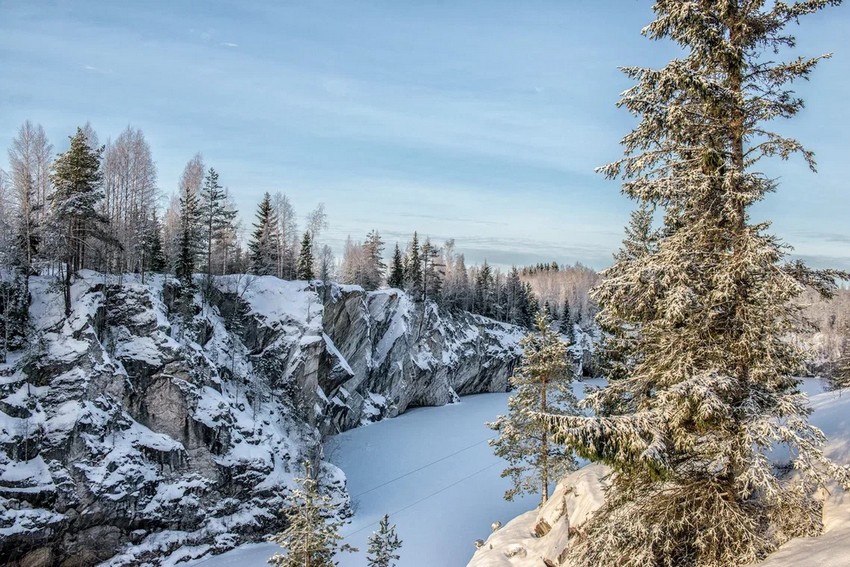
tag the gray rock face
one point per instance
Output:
(129, 433)
(403, 355)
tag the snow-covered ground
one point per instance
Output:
(431, 470)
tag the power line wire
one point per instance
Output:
(423, 499)
(416, 470)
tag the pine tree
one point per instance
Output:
(566, 325)
(433, 271)
(413, 271)
(263, 247)
(688, 431)
(374, 268)
(383, 545)
(617, 354)
(396, 279)
(484, 291)
(217, 216)
(542, 385)
(188, 237)
(76, 180)
(305, 258)
(311, 537)
(154, 254)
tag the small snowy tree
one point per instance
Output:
(188, 230)
(396, 278)
(311, 537)
(383, 545)
(217, 217)
(413, 270)
(263, 246)
(542, 385)
(305, 258)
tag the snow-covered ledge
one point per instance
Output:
(542, 535)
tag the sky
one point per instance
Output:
(480, 121)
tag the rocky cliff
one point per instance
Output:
(139, 428)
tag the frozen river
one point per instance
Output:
(432, 470)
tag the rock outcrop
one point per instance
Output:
(542, 536)
(132, 430)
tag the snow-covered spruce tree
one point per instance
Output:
(305, 258)
(396, 278)
(617, 354)
(383, 545)
(263, 246)
(217, 218)
(413, 270)
(73, 213)
(689, 430)
(154, 254)
(311, 537)
(188, 234)
(542, 385)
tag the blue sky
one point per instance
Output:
(481, 121)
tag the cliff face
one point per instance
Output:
(129, 433)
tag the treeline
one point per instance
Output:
(98, 207)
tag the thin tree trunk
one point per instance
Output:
(544, 448)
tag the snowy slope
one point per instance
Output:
(515, 545)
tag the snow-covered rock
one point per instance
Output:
(129, 434)
(543, 534)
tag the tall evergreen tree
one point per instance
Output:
(396, 278)
(217, 216)
(74, 214)
(484, 290)
(413, 271)
(305, 258)
(263, 246)
(188, 237)
(433, 271)
(541, 385)
(311, 537)
(374, 268)
(566, 324)
(154, 253)
(688, 432)
(383, 545)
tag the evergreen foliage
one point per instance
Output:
(76, 181)
(305, 258)
(396, 278)
(311, 537)
(374, 267)
(433, 271)
(263, 246)
(413, 271)
(566, 324)
(542, 386)
(709, 388)
(383, 545)
(216, 215)
(188, 237)
(154, 254)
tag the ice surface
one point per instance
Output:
(430, 469)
